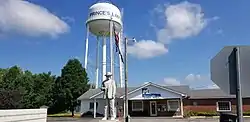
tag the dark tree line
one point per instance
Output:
(23, 89)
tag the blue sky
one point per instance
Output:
(176, 39)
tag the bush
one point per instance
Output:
(247, 113)
(193, 113)
(208, 113)
(189, 113)
(211, 113)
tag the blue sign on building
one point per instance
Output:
(147, 94)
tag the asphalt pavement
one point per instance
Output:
(63, 119)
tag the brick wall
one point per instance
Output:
(202, 105)
(209, 105)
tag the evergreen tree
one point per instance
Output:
(74, 82)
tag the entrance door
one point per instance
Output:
(153, 108)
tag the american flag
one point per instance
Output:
(117, 43)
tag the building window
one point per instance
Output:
(173, 105)
(91, 105)
(223, 106)
(137, 105)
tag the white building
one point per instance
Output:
(147, 100)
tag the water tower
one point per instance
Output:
(104, 20)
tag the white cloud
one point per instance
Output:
(196, 81)
(26, 18)
(182, 20)
(147, 49)
(171, 81)
(193, 77)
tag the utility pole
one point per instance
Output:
(238, 90)
(126, 80)
(126, 77)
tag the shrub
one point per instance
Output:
(208, 113)
(193, 113)
(247, 113)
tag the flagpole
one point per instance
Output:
(113, 65)
(121, 52)
(126, 76)
(121, 62)
(111, 49)
(126, 80)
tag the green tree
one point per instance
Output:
(23, 89)
(27, 82)
(11, 78)
(20, 89)
(59, 98)
(10, 99)
(74, 82)
(11, 90)
(42, 89)
(2, 73)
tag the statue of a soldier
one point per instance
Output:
(109, 91)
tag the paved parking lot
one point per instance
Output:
(136, 120)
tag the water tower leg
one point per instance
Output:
(86, 48)
(104, 60)
(95, 107)
(97, 63)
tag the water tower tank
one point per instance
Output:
(99, 17)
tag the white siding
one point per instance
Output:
(85, 104)
(101, 104)
(24, 115)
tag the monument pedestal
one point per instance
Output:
(109, 120)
